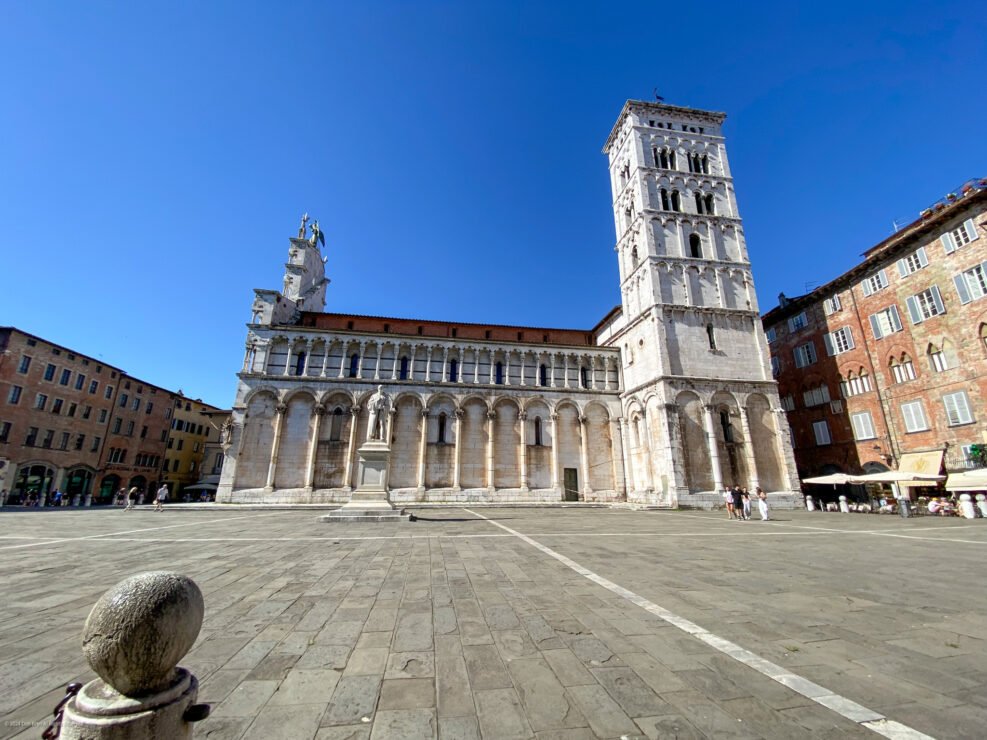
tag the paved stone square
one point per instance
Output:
(513, 622)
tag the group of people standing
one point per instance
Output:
(136, 497)
(738, 501)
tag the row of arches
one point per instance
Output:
(436, 442)
(37, 480)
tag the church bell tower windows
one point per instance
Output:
(453, 370)
(695, 246)
(354, 364)
(404, 368)
(542, 375)
(300, 363)
(499, 373)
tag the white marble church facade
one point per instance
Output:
(665, 401)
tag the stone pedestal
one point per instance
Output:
(369, 502)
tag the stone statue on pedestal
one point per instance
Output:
(377, 407)
(303, 227)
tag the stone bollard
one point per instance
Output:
(810, 504)
(133, 639)
(982, 504)
(966, 506)
(844, 507)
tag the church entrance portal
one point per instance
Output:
(571, 483)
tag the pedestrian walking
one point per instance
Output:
(160, 497)
(762, 504)
(131, 498)
(738, 503)
(728, 500)
(745, 498)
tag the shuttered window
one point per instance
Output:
(957, 408)
(863, 425)
(925, 305)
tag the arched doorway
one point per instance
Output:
(107, 487)
(33, 483)
(78, 482)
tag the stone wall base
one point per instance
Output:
(709, 500)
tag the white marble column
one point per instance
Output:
(428, 364)
(351, 448)
(565, 370)
(491, 417)
(380, 351)
(325, 358)
(714, 448)
(342, 363)
(423, 448)
(523, 457)
(606, 374)
(555, 450)
(318, 412)
(627, 483)
(397, 360)
(458, 453)
(749, 449)
(476, 365)
(308, 357)
(445, 364)
(280, 410)
(552, 384)
(523, 354)
(507, 367)
(493, 366)
(584, 452)
(287, 361)
(359, 362)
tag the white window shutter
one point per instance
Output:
(962, 288)
(875, 326)
(882, 278)
(902, 268)
(971, 230)
(952, 413)
(913, 311)
(947, 243)
(923, 259)
(849, 338)
(830, 347)
(895, 319)
(866, 287)
(937, 299)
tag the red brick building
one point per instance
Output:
(889, 360)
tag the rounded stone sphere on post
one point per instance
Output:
(139, 630)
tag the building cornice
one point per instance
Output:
(693, 114)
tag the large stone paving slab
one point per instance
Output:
(457, 627)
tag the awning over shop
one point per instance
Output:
(970, 480)
(928, 463)
(202, 487)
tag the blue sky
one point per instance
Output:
(155, 157)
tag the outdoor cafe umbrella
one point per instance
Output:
(835, 479)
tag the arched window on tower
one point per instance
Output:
(671, 159)
(442, 428)
(695, 246)
(699, 202)
(453, 371)
(403, 372)
(538, 442)
(705, 163)
(499, 373)
(300, 363)
(664, 200)
(662, 160)
(354, 364)
(710, 204)
(336, 425)
(634, 258)
(710, 335)
(676, 201)
(583, 377)
(542, 375)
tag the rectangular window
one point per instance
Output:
(93, 386)
(80, 381)
(805, 354)
(80, 440)
(854, 385)
(832, 304)
(877, 281)
(958, 237)
(925, 305)
(148, 407)
(135, 406)
(938, 361)
(4, 431)
(40, 401)
(117, 423)
(885, 322)
(195, 447)
(72, 408)
(816, 396)
(164, 434)
(25, 364)
(46, 440)
(181, 443)
(95, 444)
(66, 377)
(971, 284)
(957, 408)
(797, 323)
(56, 407)
(821, 430)
(914, 416)
(32, 437)
(863, 425)
(839, 341)
(49, 372)
(64, 442)
(913, 262)
(143, 432)
(123, 400)
(788, 403)
(130, 429)
(87, 411)
(14, 397)
(174, 466)
(102, 416)
(109, 392)
(771, 335)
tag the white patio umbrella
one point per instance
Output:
(833, 479)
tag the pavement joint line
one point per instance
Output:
(847, 708)
(129, 531)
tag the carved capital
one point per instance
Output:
(583, 419)
(491, 415)
(355, 411)
(554, 416)
(523, 416)
(460, 413)
(319, 409)
(281, 408)
(425, 413)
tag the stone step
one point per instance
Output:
(366, 515)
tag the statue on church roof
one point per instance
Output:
(302, 229)
(317, 236)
